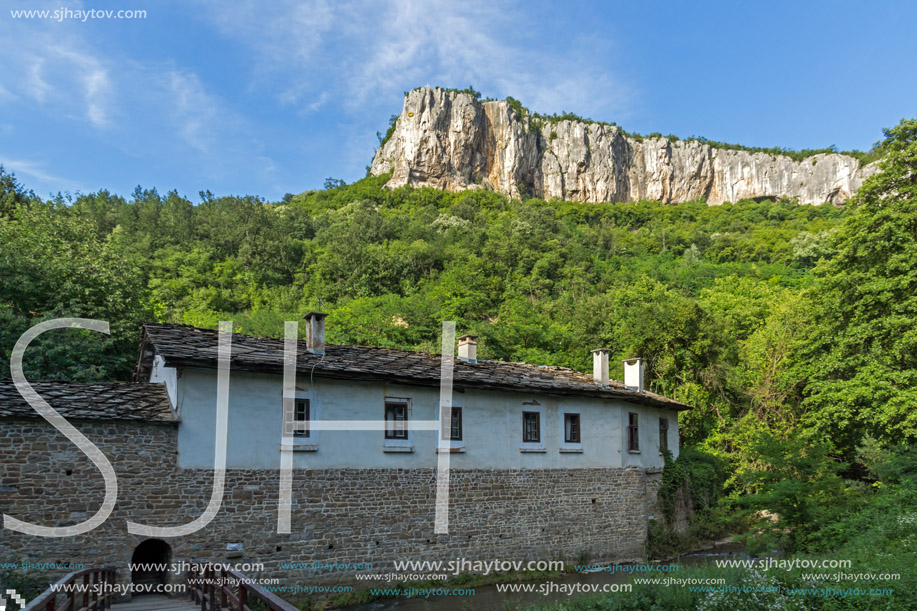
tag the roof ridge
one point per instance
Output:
(72, 383)
(188, 346)
(367, 347)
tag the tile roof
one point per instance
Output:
(185, 346)
(120, 401)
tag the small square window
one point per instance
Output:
(663, 434)
(531, 427)
(571, 428)
(301, 418)
(633, 433)
(396, 420)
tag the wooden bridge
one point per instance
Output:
(214, 589)
(156, 602)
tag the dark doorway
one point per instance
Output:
(150, 562)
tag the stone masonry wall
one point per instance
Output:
(338, 516)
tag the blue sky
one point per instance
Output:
(266, 98)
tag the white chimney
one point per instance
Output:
(600, 365)
(633, 374)
(315, 332)
(468, 348)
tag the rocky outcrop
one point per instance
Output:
(452, 141)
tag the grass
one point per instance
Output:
(463, 581)
(759, 589)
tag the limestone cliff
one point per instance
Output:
(452, 141)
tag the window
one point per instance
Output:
(663, 434)
(301, 418)
(396, 420)
(299, 412)
(633, 433)
(531, 427)
(571, 428)
(398, 434)
(452, 429)
(450, 438)
(533, 418)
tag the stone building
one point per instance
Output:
(545, 463)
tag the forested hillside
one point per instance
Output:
(790, 329)
(697, 290)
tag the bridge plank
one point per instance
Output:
(156, 602)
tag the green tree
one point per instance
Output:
(862, 365)
(12, 194)
(53, 265)
(798, 483)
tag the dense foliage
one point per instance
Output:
(865, 374)
(691, 513)
(879, 541)
(790, 329)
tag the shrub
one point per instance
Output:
(27, 585)
(694, 483)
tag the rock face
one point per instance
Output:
(452, 141)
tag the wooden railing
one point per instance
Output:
(86, 590)
(224, 589)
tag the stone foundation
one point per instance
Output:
(338, 516)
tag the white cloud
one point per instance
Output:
(268, 166)
(39, 176)
(95, 80)
(284, 34)
(319, 102)
(36, 86)
(368, 53)
(54, 68)
(70, 78)
(193, 110)
(286, 30)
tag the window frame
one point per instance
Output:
(532, 446)
(455, 411)
(399, 429)
(299, 433)
(300, 443)
(663, 435)
(576, 439)
(633, 432)
(525, 427)
(444, 441)
(391, 442)
(567, 446)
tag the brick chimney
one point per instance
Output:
(315, 332)
(468, 348)
(600, 365)
(633, 374)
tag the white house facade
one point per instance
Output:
(504, 415)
